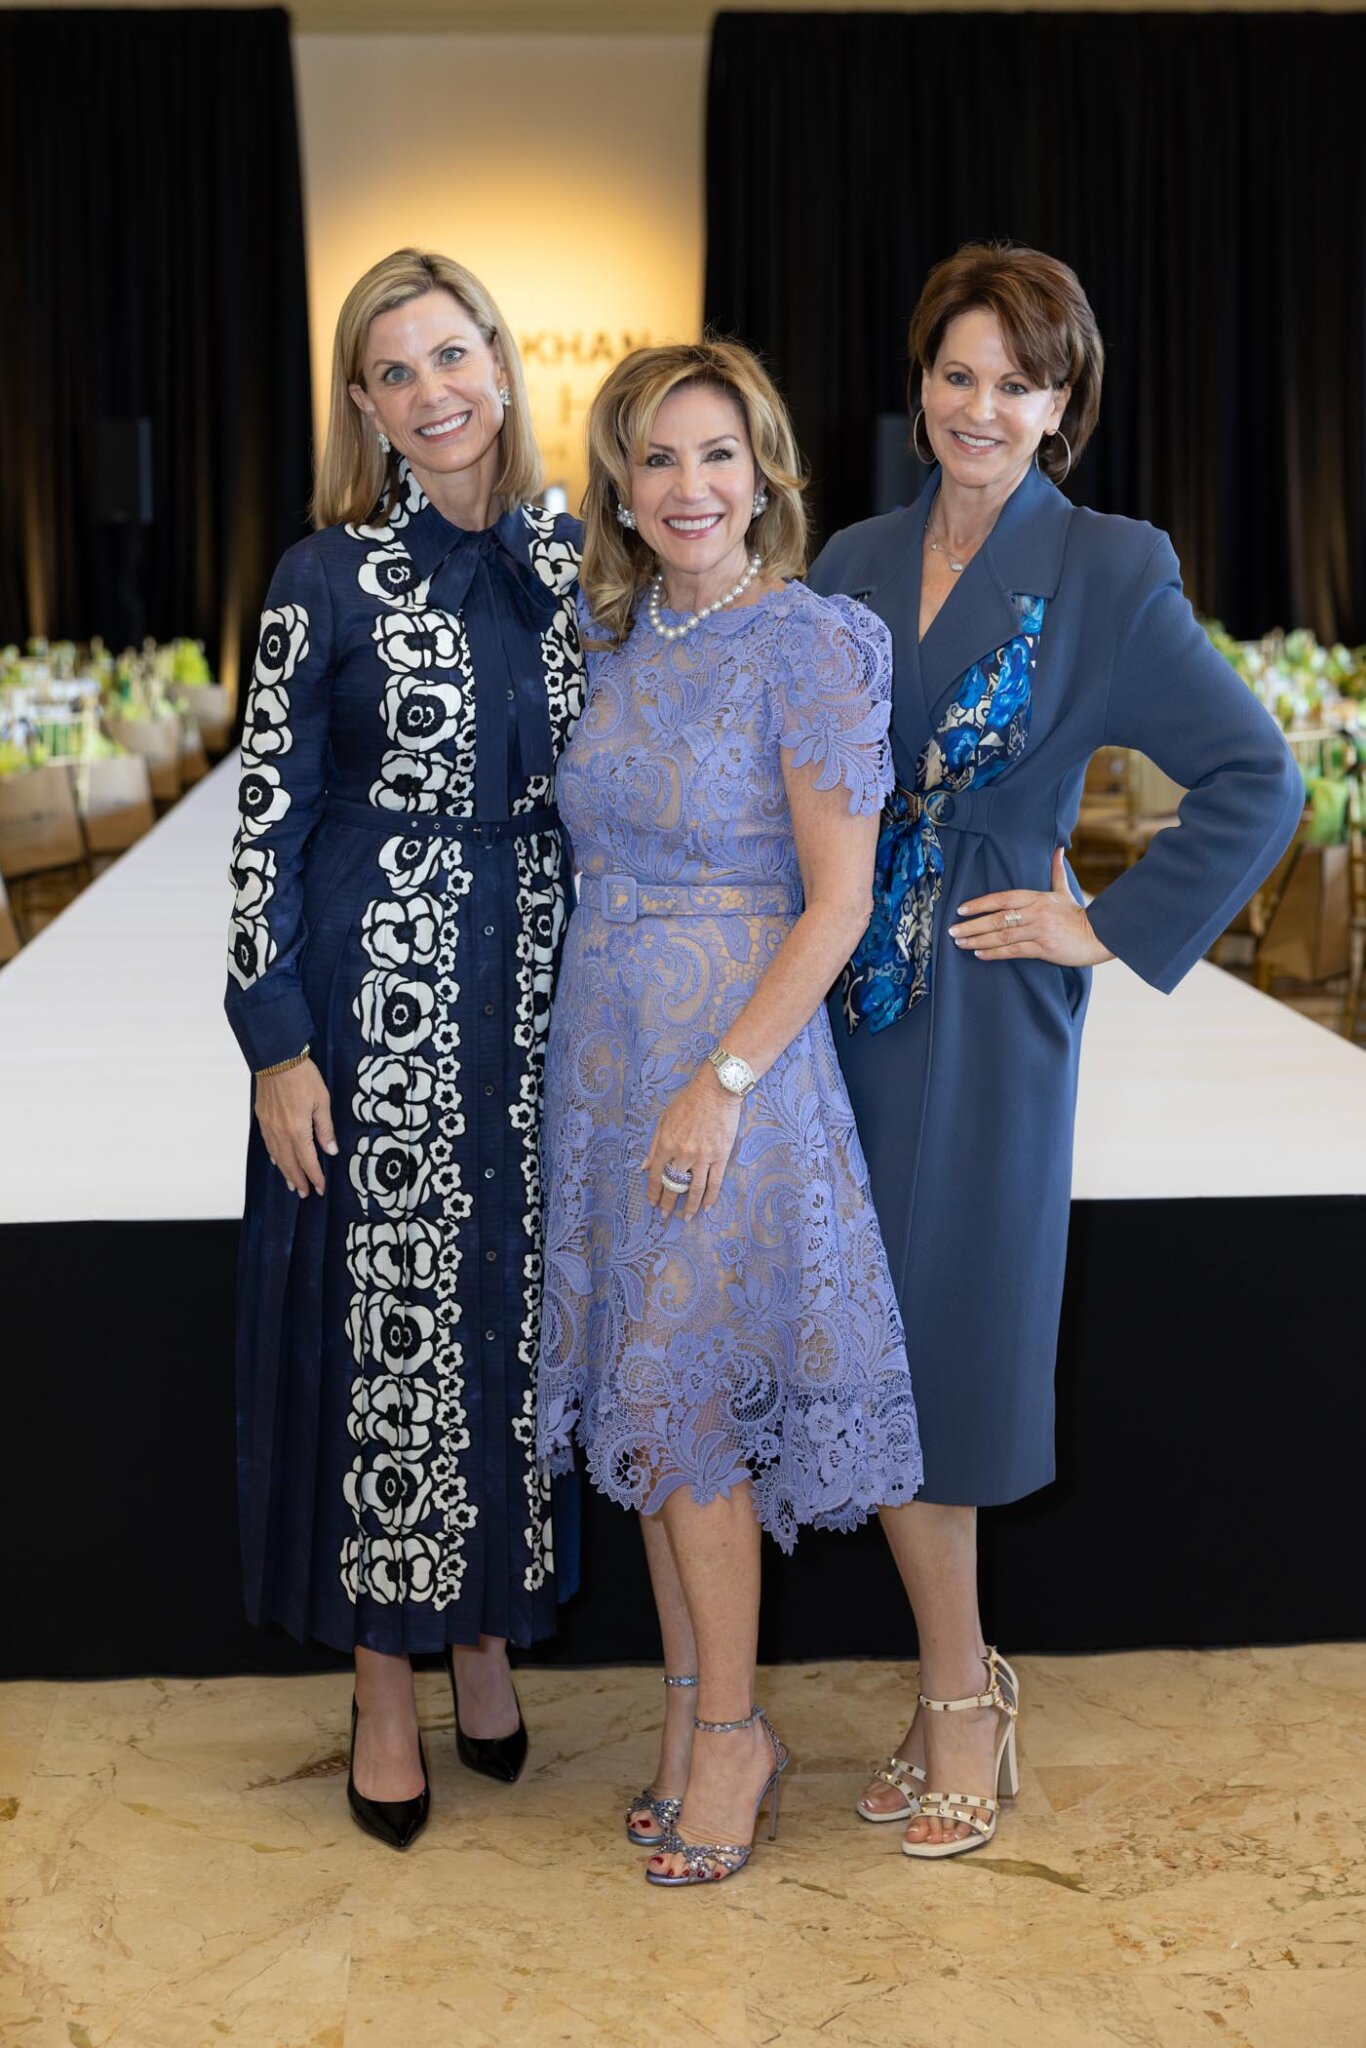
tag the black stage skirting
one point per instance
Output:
(1211, 1404)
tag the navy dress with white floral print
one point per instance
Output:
(401, 879)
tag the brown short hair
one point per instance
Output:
(616, 562)
(1046, 320)
(353, 476)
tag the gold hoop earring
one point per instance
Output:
(930, 459)
(1058, 435)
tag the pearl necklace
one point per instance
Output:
(652, 607)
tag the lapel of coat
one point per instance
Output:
(1023, 552)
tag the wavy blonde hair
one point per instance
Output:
(354, 478)
(617, 563)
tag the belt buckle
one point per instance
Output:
(619, 899)
(939, 806)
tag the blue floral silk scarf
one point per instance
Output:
(984, 729)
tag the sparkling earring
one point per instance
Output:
(506, 397)
(383, 440)
(626, 517)
(760, 503)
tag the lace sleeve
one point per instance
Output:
(831, 698)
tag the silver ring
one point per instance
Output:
(677, 1179)
(1012, 918)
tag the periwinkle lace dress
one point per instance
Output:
(761, 1340)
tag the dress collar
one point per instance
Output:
(431, 539)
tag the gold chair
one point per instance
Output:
(9, 930)
(1356, 897)
(1115, 822)
(1300, 918)
(40, 833)
(210, 705)
(114, 799)
(194, 761)
(160, 741)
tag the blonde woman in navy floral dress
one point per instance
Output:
(400, 901)
(720, 1333)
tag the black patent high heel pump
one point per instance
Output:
(500, 1757)
(395, 1822)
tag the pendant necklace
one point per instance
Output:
(941, 547)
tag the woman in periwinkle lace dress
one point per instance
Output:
(719, 1326)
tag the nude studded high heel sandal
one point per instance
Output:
(907, 1779)
(665, 1811)
(976, 1810)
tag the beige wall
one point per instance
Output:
(565, 171)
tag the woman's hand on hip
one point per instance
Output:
(295, 1115)
(696, 1134)
(1030, 924)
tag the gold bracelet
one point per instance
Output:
(283, 1066)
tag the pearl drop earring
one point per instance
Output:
(506, 397)
(383, 440)
(760, 503)
(626, 517)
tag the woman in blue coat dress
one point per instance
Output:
(1028, 633)
(401, 893)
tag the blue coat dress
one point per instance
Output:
(965, 1103)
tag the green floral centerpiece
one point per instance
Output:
(1305, 685)
(1299, 681)
(189, 664)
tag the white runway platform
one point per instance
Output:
(124, 1097)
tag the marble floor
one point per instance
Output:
(1186, 1865)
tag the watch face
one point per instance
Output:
(734, 1074)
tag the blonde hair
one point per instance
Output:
(616, 562)
(354, 478)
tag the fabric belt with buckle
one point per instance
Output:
(483, 831)
(621, 899)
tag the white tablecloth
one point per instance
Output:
(122, 1093)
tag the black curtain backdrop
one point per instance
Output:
(151, 266)
(1203, 174)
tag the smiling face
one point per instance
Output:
(431, 382)
(693, 491)
(985, 416)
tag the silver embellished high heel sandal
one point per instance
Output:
(731, 1857)
(665, 1811)
(904, 1777)
(976, 1810)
